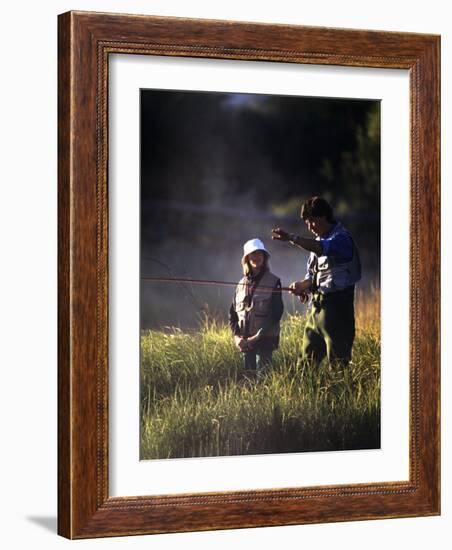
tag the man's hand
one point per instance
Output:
(301, 288)
(241, 343)
(280, 235)
(311, 245)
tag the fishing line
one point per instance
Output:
(188, 290)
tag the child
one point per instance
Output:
(256, 308)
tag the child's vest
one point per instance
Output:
(330, 275)
(256, 315)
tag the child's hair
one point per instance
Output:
(247, 267)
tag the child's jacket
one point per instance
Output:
(257, 305)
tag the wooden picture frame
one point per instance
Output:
(85, 42)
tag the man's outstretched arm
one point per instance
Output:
(311, 245)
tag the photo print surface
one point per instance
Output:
(260, 274)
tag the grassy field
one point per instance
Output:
(197, 400)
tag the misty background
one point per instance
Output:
(218, 169)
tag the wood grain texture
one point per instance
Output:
(85, 42)
(64, 295)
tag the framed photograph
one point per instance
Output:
(248, 221)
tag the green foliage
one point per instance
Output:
(197, 400)
(362, 165)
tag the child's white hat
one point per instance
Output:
(252, 245)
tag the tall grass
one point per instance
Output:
(367, 310)
(197, 399)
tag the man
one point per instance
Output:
(333, 269)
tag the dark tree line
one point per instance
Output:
(257, 153)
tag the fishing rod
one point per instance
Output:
(185, 288)
(208, 282)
